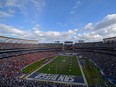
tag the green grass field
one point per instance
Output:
(67, 65)
(30, 68)
(93, 75)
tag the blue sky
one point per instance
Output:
(51, 20)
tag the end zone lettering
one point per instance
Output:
(66, 78)
(55, 77)
(44, 76)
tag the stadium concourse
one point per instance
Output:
(15, 54)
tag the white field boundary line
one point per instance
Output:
(23, 75)
(70, 83)
(36, 61)
(40, 67)
(82, 73)
(101, 73)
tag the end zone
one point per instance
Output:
(57, 78)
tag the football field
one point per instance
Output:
(67, 65)
(61, 69)
(73, 70)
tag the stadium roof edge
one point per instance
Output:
(109, 38)
(16, 38)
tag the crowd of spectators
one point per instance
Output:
(8, 49)
(15, 54)
(95, 45)
(102, 54)
(8, 54)
(4, 45)
(106, 63)
(10, 69)
(9, 46)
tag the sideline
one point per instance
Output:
(69, 83)
(82, 73)
(40, 67)
(36, 61)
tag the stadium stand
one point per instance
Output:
(15, 54)
(13, 46)
(10, 68)
(102, 54)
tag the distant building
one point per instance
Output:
(109, 40)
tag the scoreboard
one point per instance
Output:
(68, 45)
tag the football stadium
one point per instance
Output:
(57, 43)
(26, 63)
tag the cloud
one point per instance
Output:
(89, 26)
(54, 35)
(10, 3)
(30, 6)
(72, 12)
(77, 4)
(25, 7)
(36, 33)
(5, 10)
(107, 21)
(104, 28)
(11, 30)
(89, 37)
(91, 32)
(5, 14)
